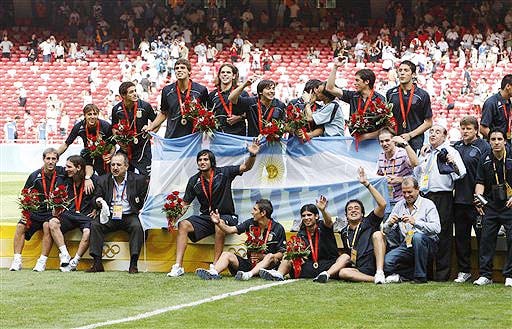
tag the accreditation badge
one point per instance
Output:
(424, 182)
(353, 256)
(139, 114)
(117, 212)
(509, 190)
(408, 238)
(390, 191)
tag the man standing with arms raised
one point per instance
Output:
(138, 113)
(411, 106)
(174, 99)
(212, 188)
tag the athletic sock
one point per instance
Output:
(64, 250)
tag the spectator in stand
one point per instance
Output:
(22, 97)
(233, 53)
(211, 53)
(6, 46)
(46, 49)
(10, 129)
(42, 134)
(267, 60)
(60, 52)
(64, 123)
(28, 124)
(200, 51)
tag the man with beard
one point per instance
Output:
(212, 188)
(232, 121)
(79, 214)
(120, 197)
(44, 181)
(174, 99)
(261, 108)
(138, 113)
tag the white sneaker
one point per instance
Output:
(462, 277)
(208, 274)
(271, 275)
(64, 259)
(508, 282)
(40, 266)
(176, 271)
(393, 278)
(379, 278)
(73, 264)
(243, 276)
(482, 281)
(322, 277)
(16, 265)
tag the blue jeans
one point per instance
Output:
(411, 263)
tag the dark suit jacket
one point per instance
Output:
(136, 189)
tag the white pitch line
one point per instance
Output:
(178, 307)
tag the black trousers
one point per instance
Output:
(444, 205)
(490, 226)
(465, 218)
(130, 223)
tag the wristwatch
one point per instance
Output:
(87, 177)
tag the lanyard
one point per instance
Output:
(411, 213)
(89, 136)
(368, 101)
(508, 117)
(504, 169)
(52, 182)
(269, 226)
(314, 250)
(269, 115)
(135, 108)
(351, 245)
(210, 188)
(116, 190)
(178, 91)
(430, 162)
(409, 104)
(78, 198)
(229, 110)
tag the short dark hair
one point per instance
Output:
(123, 88)
(123, 155)
(411, 65)
(359, 202)
(266, 206)
(185, 62)
(469, 120)
(507, 80)
(312, 84)
(90, 107)
(210, 154)
(497, 130)
(367, 75)
(264, 84)
(326, 93)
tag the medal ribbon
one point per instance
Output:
(351, 245)
(52, 183)
(269, 115)
(269, 226)
(135, 108)
(314, 249)
(78, 198)
(209, 196)
(409, 104)
(178, 91)
(229, 110)
(368, 101)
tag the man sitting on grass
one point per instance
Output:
(268, 232)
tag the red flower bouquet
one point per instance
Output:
(202, 119)
(58, 200)
(273, 130)
(123, 133)
(296, 251)
(255, 243)
(376, 115)
(296, 120)
(28, 202)
(172, 209)
(97, 147)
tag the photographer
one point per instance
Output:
(493, 198)
(416, 220)
(439, 168)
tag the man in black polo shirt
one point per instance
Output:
(472, 150)
(273, 237)
(89, 129)
(364, 245)
(174, 97)
(358, 99)
(231, 120)
(212, 188)
(319, 236)
(494, 183)
(138, 113)
(413, 115)
(496, 111)
(263, 107)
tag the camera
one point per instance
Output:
(480, 198)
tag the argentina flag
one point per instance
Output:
(288, 173)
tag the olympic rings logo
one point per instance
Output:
(111, 250)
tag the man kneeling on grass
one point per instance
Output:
(319, 236)
(262, 231)
(364, 245)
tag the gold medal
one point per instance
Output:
(315, 265)
(404, 124)
(509, 135)
(139, 114)
(135, 140)
(183, 121)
